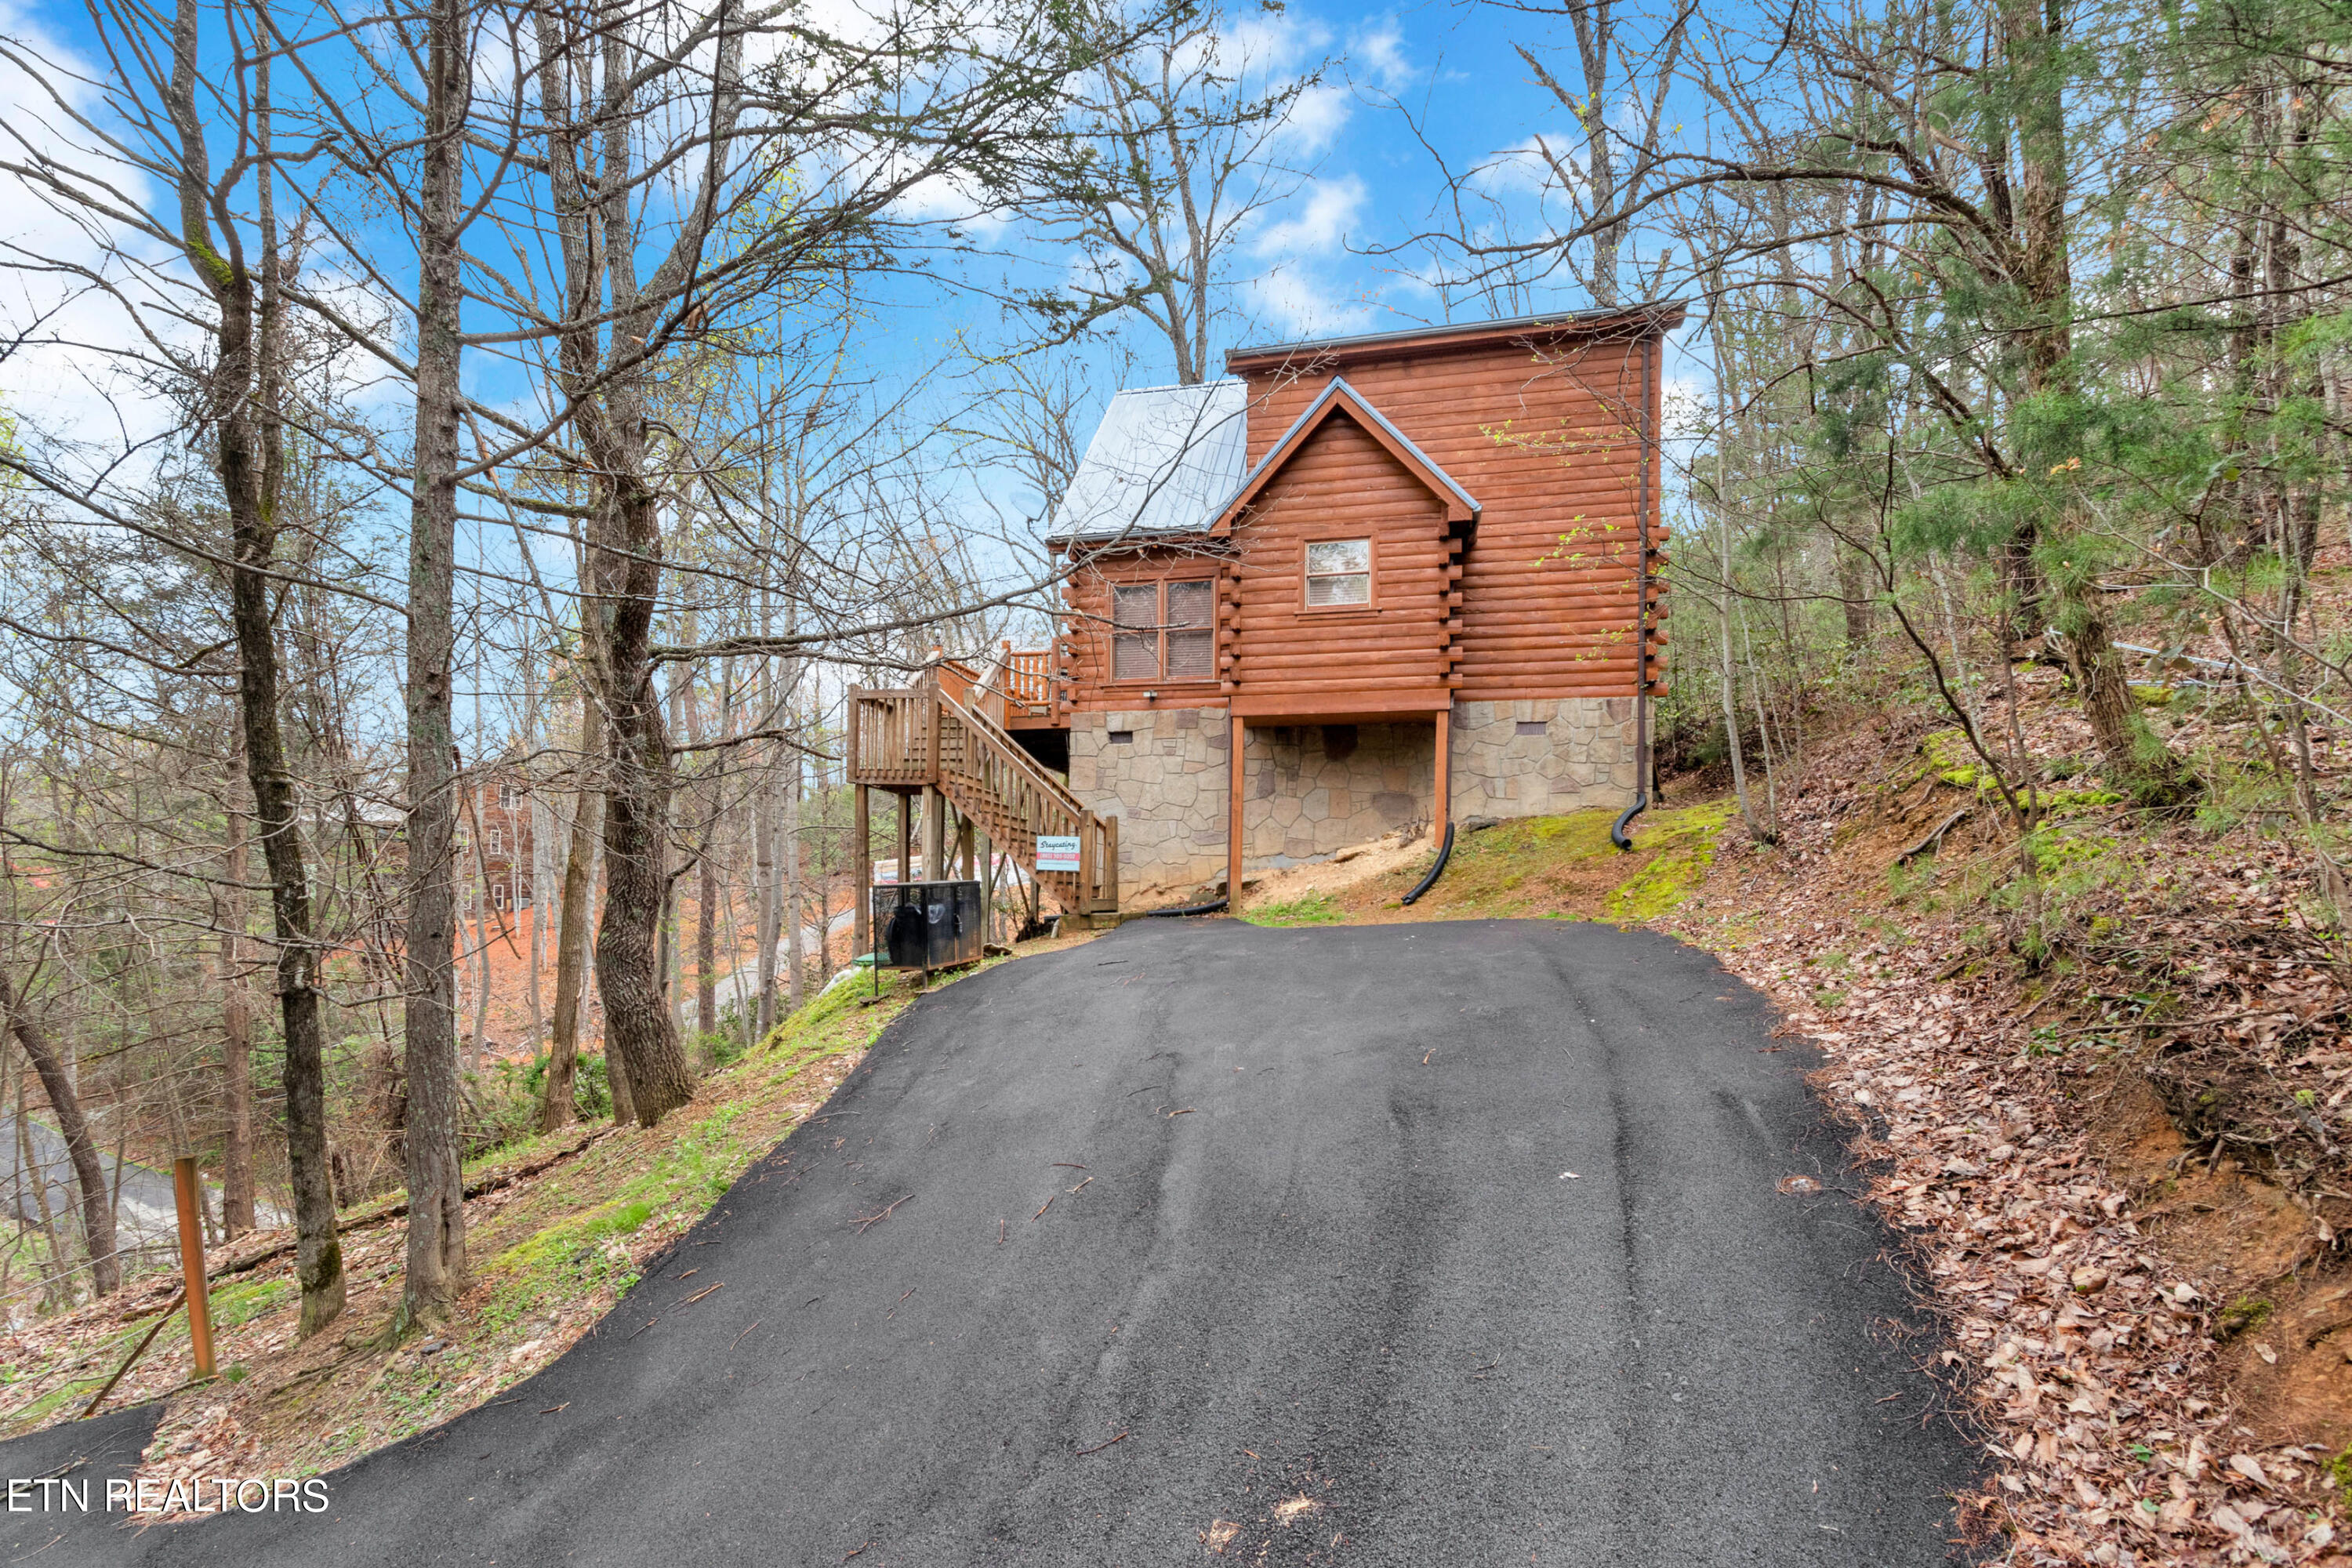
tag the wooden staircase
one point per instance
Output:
(941, 734)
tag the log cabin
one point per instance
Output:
(1360, 584)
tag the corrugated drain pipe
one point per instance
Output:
(1211, 907)
(1617, 834)
(1444, 851)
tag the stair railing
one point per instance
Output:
(985, 772)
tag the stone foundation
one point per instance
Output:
(1311, 789)
(1167, 786)
(1582, 758)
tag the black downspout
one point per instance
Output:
(1617, 835)
(1444, 852)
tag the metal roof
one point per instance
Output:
(1357, 402)
(1406, 336)
(1162, 461)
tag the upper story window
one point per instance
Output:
(1164, 631)
(1338, 572)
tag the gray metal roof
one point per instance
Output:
(1162, 461)
(1334, 388)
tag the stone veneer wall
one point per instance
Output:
(1584, 758)
(1309, 791)
(1167, 787)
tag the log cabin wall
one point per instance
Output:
(1547, 434)
(1086, 653)
(1286, 657)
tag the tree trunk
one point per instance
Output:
(2135, 757)
(795, 960)
(250, 463)
(437, 1204)
(1853, 590)
(556, 1105)
(705, 931)
(763, 834)
(236, 1021)
(89, 1174)
(636, 875)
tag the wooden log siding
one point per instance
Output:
(1546, 434)
(1394, 654)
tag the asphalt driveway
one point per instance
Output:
(1456, 1244)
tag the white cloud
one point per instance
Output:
(1378, 55)
(63, 375)
(1531, 168)
(1315, 223)
(1296, 303)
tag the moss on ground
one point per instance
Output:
(1950, 758)
(1682, 847)
(1543, 867)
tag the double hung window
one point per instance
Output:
(1164, 631)
(1339, 572)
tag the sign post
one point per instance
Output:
(191, 1262)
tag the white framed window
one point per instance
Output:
(1339, 572)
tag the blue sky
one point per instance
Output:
(1445, 73)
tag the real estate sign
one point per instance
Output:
(1057, 852)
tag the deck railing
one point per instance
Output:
(985, 772)
(1028, 675)
(895, 739)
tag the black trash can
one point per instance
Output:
(927, 925)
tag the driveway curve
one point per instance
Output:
(1459, 1243)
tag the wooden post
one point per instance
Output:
(935, 829)
(1237, 772)
(906, 837)
(931, 712)
(1444, 777)
(964, 846)
(862, 857)
(1110, 865)
(987, 849)
(861, 839)
(191, 1262)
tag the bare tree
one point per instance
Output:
(1185, 141)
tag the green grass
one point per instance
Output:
(1313, 909)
